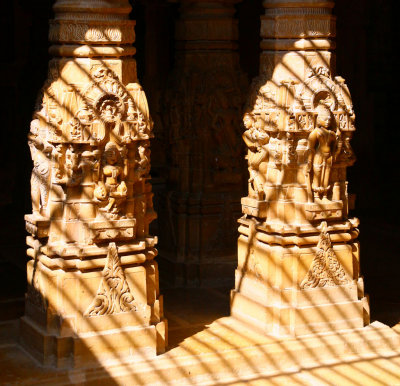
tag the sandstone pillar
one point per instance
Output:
(298, 255)
(92, 280)
(202, 117)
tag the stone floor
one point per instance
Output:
(208, 348)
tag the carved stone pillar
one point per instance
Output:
(298, 255)
(202, 116)
(92, 282)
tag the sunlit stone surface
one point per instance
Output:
(92, 281)
(298, 256)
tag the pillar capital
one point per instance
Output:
(298, 25)
(92, 28)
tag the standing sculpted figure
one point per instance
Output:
(324, 146)
(40, 178)
(142, 162)
(256, 139)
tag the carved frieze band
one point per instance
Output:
(298, 11)
(122, 32)
(298, 26)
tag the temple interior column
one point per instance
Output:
(298, 255)
(203, 106)
(92, 280)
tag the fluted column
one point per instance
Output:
(298, 256)
(92, 280)
(203, 106)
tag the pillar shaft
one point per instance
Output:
(202, 116)
(92, 280)
(298, 269)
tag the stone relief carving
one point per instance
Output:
(325, 269)
(99, 32)
(111, 189)
(298, 126)
(324, 147)
(89, 141)
(257, 140)
(113, 295)
(40, 181)
(96, 141)
(209, 102)
(305, 126)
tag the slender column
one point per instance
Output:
(202, 115)
(92, 280)
(298, 255)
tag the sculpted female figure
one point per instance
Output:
(323, 144)
(256, 139)
(40, 178)
(112, 187)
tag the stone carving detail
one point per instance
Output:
(257, 140)
(104, 107)
(324, 146)
(298, 123)
(306, 126)
(209, 103)
(101, 32)
(40, 178)
(87, 139)
(299, 28)
(325, 269)
(111, 189)
(113, 295)
(90, 145)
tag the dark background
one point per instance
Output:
(365, 58)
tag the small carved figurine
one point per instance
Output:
(143, 161)
(324, 146)
(111, 189)
(71, 166)
(40, 178)
(256, 139)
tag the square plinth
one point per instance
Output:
(77, 318)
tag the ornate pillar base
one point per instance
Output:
(276, 291)
(98, 324)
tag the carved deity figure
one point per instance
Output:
(59, 176)
(71, 166)
(40, 178)
(111, 189)
(347, 154)
(324, 147)
(257, 140)
(143, 161)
